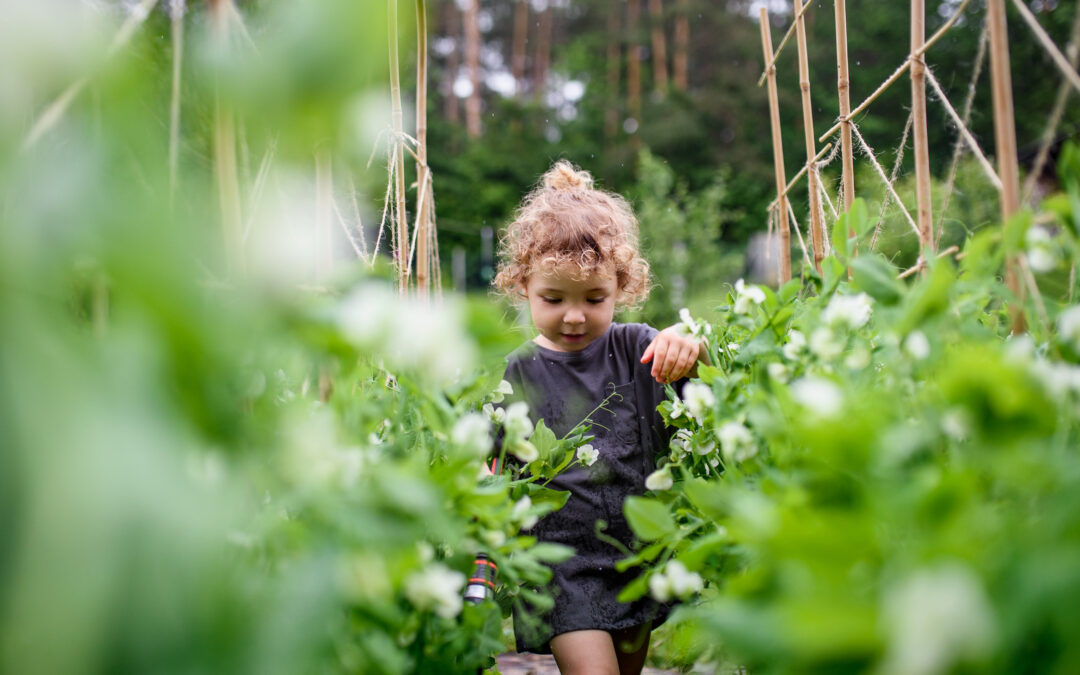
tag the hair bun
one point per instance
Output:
(563, 176)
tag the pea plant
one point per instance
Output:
(879, 475)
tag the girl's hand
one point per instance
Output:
(674, 356)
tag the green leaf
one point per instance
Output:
(762, 343)
(874, 274)
(790, 290)
(707, 497)
(840, 237)
(929, 297)
(635, 589)
(544, 439)
(859, 217)
(543, 495)
(649, 519)
(552, 553)
(834, 271)
(1016, 230)
(699, 551)
(647, 554)
(708, 373)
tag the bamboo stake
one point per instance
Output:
(659, 47)
(680, 72)
(472, 61)
(397, 169)
(795, 179)
(176, 12)
(778, 152)
(542, 61)
(1005, 142)
(843, 88)
(816, 238)
(925, 216)
(324, 199)
(225, 167)
(899, 71)
(1048, 45)
(771, 61)
(423, 171)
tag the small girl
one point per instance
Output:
(572, 255)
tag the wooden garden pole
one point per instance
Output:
(843, 89)
(397, 169)
(1005, 142)
(925, 219)
(680, 74)
(659, 47)
(423, 172)
(778, 151)
(816, 231)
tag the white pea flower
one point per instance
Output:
(699, 399)
(525, 451)
(678, 409)
(517, 422)
(659, 480)
(824, 344)
(587, 454)
(1058, 378)
(736, 442)
(1042, 255)
(733, 346)
(852, 311)
(858, 359)
(1019, 348)
(680, 444)
(683, 582)
(436, 588)
(916, 345)
(503, 390)
(746, 297)
(496, 415)
(777, 371)
(1069, 326)
(660, 587)
(688, 327)
(521, 513)
(818, 395)
(494, 538)
(956, 423)
(937, 619)
(795, 345)
(473, 431)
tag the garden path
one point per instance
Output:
(511, 663)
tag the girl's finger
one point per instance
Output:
(647, 355)
(659, 358)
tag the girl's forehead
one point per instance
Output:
(572, 277)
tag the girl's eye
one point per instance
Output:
(596, 301)
(552, 301)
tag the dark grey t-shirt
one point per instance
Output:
(562, 388)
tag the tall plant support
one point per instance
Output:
(542, 61)
(778, 151)
(397, 155)
(659, 47)
(452, 18)
(925, 218)
(843, 90)
(424, 199)
(225, 166)
(817, 237)
(1005, 141)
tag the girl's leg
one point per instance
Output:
(586, 652)
(631, 647)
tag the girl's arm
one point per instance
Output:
(673, 355)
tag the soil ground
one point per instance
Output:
(511, 663)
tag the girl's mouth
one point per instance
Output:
(573, 337)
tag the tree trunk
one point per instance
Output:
(614, 66)
(452, 19)
(659, 46)
(542, 61)
(680, 74)
(521, 34)
(633, 66)
(472, 58)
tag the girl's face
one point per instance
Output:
(570, 313)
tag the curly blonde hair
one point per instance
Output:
(565, 220)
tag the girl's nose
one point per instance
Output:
(574, 315)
